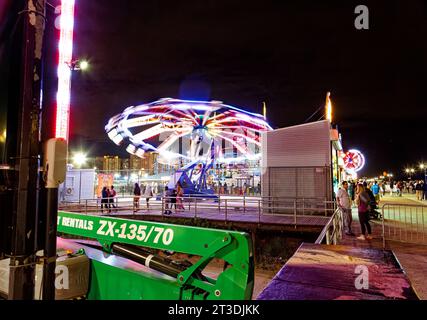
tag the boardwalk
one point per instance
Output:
(328, 272)
(411, 256)
(321, 272)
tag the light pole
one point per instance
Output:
(424, 167)
(410, 172)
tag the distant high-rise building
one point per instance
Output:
(135, 163)
(99, 163)
(111, 163)
(125, 163)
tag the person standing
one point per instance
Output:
(351, 191)
(136, 196)
(173, 199)
(148, 193)
(362, 201)
(179, 197)
(419, 190)
(167, 199)
(111, 198)
(104, 199)
(424, 191)
(344, 203)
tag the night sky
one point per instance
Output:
(286, 53)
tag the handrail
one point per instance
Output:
(336, 226)
(198, 206)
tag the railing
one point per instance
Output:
(404, 223)
(198, 207)
(332, 232)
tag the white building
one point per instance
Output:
(79, 185)
(301, 162)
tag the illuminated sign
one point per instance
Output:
(354, 161)
(64, 69)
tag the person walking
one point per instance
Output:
(375, 188)
(136, 196)
(344, 203)
(148, 193)
(362, 201)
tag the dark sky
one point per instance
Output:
(287, 53)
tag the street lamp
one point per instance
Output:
(78, 65)
(84, 65)
(410, 172)
(424, 167)
(79, 159)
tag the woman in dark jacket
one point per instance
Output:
(136, 196)
(363, 201)
(104, 199)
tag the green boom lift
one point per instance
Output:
(126, 264)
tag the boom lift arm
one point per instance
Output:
(134, 240)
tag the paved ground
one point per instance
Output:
(322, 272)
(411, 256)
(318, 272)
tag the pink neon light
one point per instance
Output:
(64, 69)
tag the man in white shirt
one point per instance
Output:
(344, 203)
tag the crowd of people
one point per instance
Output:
(232, 189)
(398, 188)
(173, 198)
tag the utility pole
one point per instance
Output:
(26, 162)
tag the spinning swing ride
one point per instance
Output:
(194, 133)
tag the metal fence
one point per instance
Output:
(332, 232)
(223, 208)
(404, 223)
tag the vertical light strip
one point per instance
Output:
(64, 69)
(328, 107)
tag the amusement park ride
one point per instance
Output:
(354, 161)
(203, 127)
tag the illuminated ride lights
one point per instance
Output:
(201, 127)
(354, 161)
(64, 69)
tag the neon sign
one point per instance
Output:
(354, 161)
(64, 69)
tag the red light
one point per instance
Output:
(64, 69)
